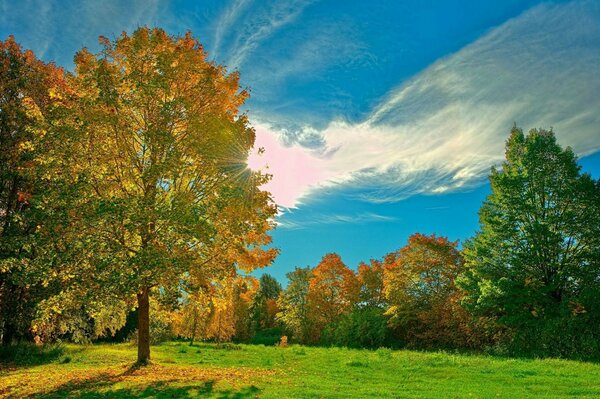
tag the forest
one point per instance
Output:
(128, 214)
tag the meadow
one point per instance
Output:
(256, 371)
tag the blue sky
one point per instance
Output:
(380, 118)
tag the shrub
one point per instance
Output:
(362, 328)
(268, 336)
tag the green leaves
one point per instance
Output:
(538, 247)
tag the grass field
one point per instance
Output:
(210, 371)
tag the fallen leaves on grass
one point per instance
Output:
(49, 381)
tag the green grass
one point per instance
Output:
(246, 371)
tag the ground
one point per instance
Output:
(246, 371)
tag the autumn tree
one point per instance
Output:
(419, 284)
(365, 325)
(222, 321)
(27, 100)
(158, 150)
(191, 320)
(293, 304)
(333, 291)
(534, 266)
(246, 290)
(370, 279)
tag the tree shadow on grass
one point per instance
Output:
(99, 387)
(27, 354)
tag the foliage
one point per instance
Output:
(79, 318)
(267, 336)
(370, 278)
(247, 288)
(27, 102)
(191, 320)
(533, 267)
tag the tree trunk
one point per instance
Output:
(194, 327)
(143, 326)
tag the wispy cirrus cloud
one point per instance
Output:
(328, 219)
(444, 128)
(225, 23)
(266, 19)
(55, 29)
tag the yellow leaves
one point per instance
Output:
(26, 146)
(54, 93)
(110, 375)
(31, 108)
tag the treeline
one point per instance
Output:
(409, 298)
(527, 284)
(127, 210)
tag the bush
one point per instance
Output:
(566, 337)
(362, 328)
(268, 336)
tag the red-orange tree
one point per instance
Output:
(333, 290)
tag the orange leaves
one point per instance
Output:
(23, 197)
(272, 309)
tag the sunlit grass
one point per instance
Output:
(246, 371)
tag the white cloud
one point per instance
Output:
(443, 129)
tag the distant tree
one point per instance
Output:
(419, 287)
(370, 278)
(158, 151)
(191, 320)
(247, 288)
(293, 304)
(333, 291)
(364, 325)
(264, 306)
(534, 266)
(218, 310)
(222, 320)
